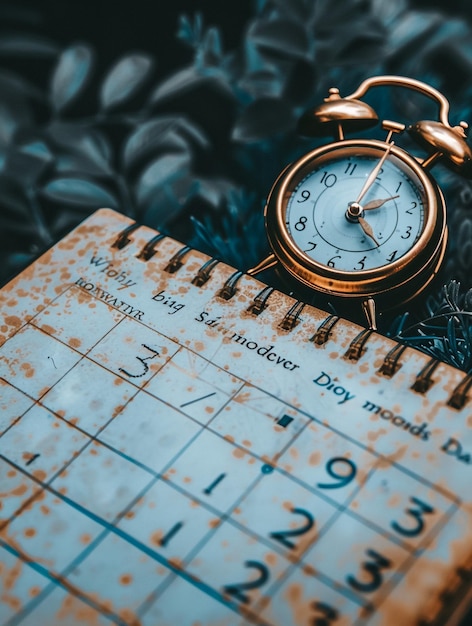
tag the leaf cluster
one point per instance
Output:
(195, 152)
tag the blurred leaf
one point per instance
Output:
(81, 147)
(27, 46)
(185, 81)
(26, 162)
(262, 83)
(263, 118)
(281, 38)
(190, 32)
(125, 78)
(14, 206)
(214, 191)
(15, 83)
(164, 187)
(151, 138)
(300, 10)
(71, 75)
(210, 51)
(162, 134)
(80, 192)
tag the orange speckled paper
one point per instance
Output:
(168, 457)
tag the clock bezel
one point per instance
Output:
(418, 265)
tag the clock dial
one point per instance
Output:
(330, 224)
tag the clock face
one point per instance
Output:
(337, 217)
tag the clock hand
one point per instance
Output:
(375, 204)
(367, 228)
(373, 175)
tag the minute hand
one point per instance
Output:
(373, 175)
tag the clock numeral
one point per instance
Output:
(328, 179)
(407, 234)
(392, 256)
(361, 264)
(313, 246)
(381, 171)
(398, 186)
(301, 224)
(350, 168)
(305, 196)
(410, 210)
(331, 261)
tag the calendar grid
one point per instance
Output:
(280, 539)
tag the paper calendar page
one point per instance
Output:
(169, 457)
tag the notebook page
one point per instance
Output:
(169, 457)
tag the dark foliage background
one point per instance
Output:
(182, 114)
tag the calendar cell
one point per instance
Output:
(305, 600)
(16, 488)
(51, 533)
(128, 575)
(259, 422)
(198, 608)
(133, 351)
(168, 522)
(215, 471)
(400, 505)
(120, 481)
(238, 567)
(35, 361)
(328, 462)
(149, 431)
(13, 404)
(203, 389)
(80, 399)
(66, 609)
(285, 513)
(19, 582)
(42, 444)
(355, 556)
(59, 319)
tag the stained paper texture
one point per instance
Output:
(169, 457)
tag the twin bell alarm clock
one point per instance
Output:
(362, 221)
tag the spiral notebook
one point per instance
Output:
(181, 444)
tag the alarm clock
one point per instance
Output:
(363, 220)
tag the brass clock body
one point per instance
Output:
(320, 245)
(363, 218)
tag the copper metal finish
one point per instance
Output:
(402, 279)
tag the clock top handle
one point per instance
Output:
(408, 83)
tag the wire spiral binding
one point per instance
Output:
(357, 346)
(424, 381)
(177, 260)
(391, 363)
(123, 239)
(230, 286)
(260, 301)
(204, 273)
(149, 249)
(324, 330)
(459, 396)
(292, 317)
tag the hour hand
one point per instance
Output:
(367, 228)
(375, 204)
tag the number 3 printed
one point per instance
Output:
(417, 514)
(374, 568)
